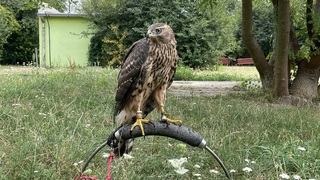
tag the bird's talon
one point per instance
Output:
(139, 123)
(174, 121)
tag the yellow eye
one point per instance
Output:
(158, 31)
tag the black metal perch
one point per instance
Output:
(158, 128)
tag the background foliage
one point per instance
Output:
(8, 25)
(263, 29)
(203, 32)
(20, 45)
(201, 35)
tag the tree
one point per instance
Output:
(20, 45)
(306, 82)
(263, 27)
(200, 35)
(289, 51)
(8, 25)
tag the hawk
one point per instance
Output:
(146, 73)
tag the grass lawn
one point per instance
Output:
(53, 119)
(224, 73)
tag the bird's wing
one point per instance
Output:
(129, 73)
(173, 72)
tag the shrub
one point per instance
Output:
(195, 30)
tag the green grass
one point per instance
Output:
(51, 119)
(223, 73)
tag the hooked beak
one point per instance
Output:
(149, 34)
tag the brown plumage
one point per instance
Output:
(147, 71)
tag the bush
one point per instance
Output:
(8, 25)
(195, 30)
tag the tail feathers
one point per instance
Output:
(124, 147)
(120, 118)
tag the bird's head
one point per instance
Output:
(160, 33)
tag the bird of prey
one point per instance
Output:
(146, 72)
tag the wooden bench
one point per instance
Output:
(245, 61)
(225, 61)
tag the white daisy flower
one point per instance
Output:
(177, 163)
(247, 169)
(181, 170)
(214, 171)
(296, 176)
(105, 155)
(127, 156)
(197, 175)
(284, 176)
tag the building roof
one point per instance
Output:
(72, 10)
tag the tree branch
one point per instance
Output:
(309, 18)
(249, 40)
(293, 40)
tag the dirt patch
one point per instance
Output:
(204, 88)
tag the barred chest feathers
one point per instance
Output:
(163, 59)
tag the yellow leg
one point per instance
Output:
(139, 122)
(165, 118)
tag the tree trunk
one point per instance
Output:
(275, 74)
(281, 49)
(306, 82)
(255, 51)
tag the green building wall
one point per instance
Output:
(61, 41)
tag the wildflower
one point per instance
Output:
(214, 171)
(232, 171)
(253, 162)
(42, 114)
(296, 177)
(284, 176)
(302, 148)
(177, 163)
(80, 162)
(197, 175)
(105, 155)
(127, 156)
(247, 160)
(197, 166)
(35, 171)
(75, 164)
(181, 170)
(247, 169)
